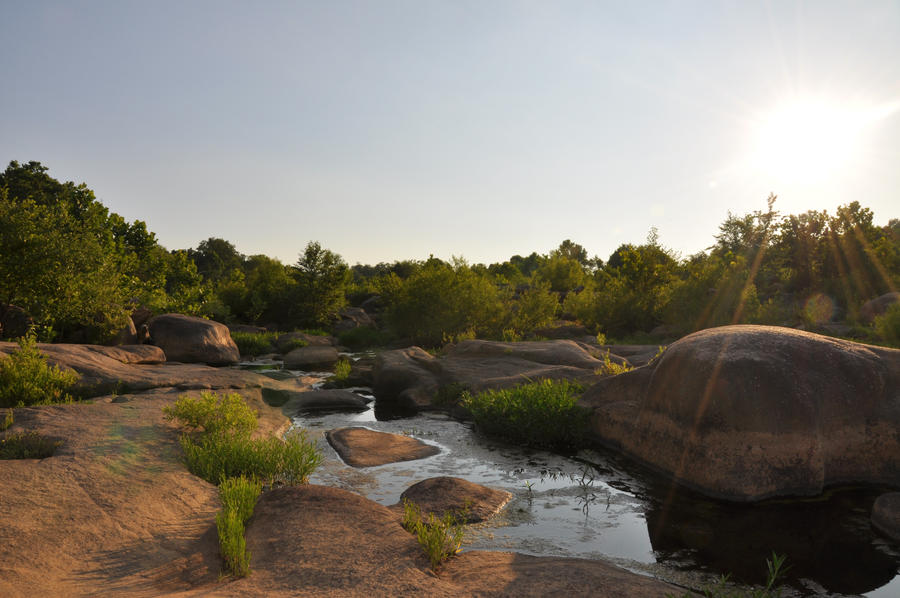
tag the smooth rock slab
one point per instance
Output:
(322, 400)
(455, 495)
(886, 514)
(361, 447)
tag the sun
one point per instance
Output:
(811, 140)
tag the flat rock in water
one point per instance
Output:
(886, 514)
(361, 447)
(315, 400)
(311, 358)
(455, 495)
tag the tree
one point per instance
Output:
(321, 276)
(216, 259)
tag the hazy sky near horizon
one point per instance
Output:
(393, 130)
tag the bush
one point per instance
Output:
(239, 495)
(541, 413)
(364, 337)
(887, 325)
(214, 414)
(269, 460)
(27, 445)
(26, 379)
(440, 538)
(254, 343)
(342, 370)
(614, 369)
(7, 420)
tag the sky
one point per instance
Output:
(389, 130)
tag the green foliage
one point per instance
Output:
(213, 414)
(254, 343)
(8, 420)
(270, 460)
(27, 379)
(533, 308)
(239, 495)
(887, 325)
(723, 589)
(322, 277)
(27, 445)
(560, 273)
(443, 301)
(363, 337)
(294, 343)
(542, 413)
(232, 544)
(440, 538)
(342, 369)
(613, 368)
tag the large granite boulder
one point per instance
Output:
(886, 515)
(749, 412)
(875, 307)
(193, 340)
(412, 377)
(353, 317)
(441, 495)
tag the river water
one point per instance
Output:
(598, 505)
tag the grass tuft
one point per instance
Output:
(27, 445)
(214, 414)
(232, 543)
(723, 589)
(541, 413)
(251, 344)
(440, 538)
(612, 368)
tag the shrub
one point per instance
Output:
(269, 460)
(440, 538)
(363, 337)
(27, 445)
(253, 343)
(214, 414)
(541, 413)
(888, 325)
(27, 379)
(7, 420)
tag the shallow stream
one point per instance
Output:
(598, 505)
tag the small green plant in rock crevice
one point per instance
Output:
(27, 445)
(26, 378)
(253, 344)
(440, 538)
(543, 413)
(612, 368)
(7, 420)
(238, 496)
(723, 589)
(342, 369)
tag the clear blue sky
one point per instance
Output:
(390, 130)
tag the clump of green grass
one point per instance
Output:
(341, 370)
(27, 445)
(27, 379)
(214, 414)
(251, 344)
(440, 538)
(294, 343)
(221, 446)
(238, 496)
(723, 589)
(541, 413)
(612, 368)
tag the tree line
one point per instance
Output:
(74, 266)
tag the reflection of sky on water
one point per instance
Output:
(598, 505)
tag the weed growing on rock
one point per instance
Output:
(294, 343)
(541, 413)
(722, 589)
(440, 538)
(7, 420)
(612, 368)
(238, 496)
(214, 414)
(27, 445)
(341, 370)
(27, 379)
